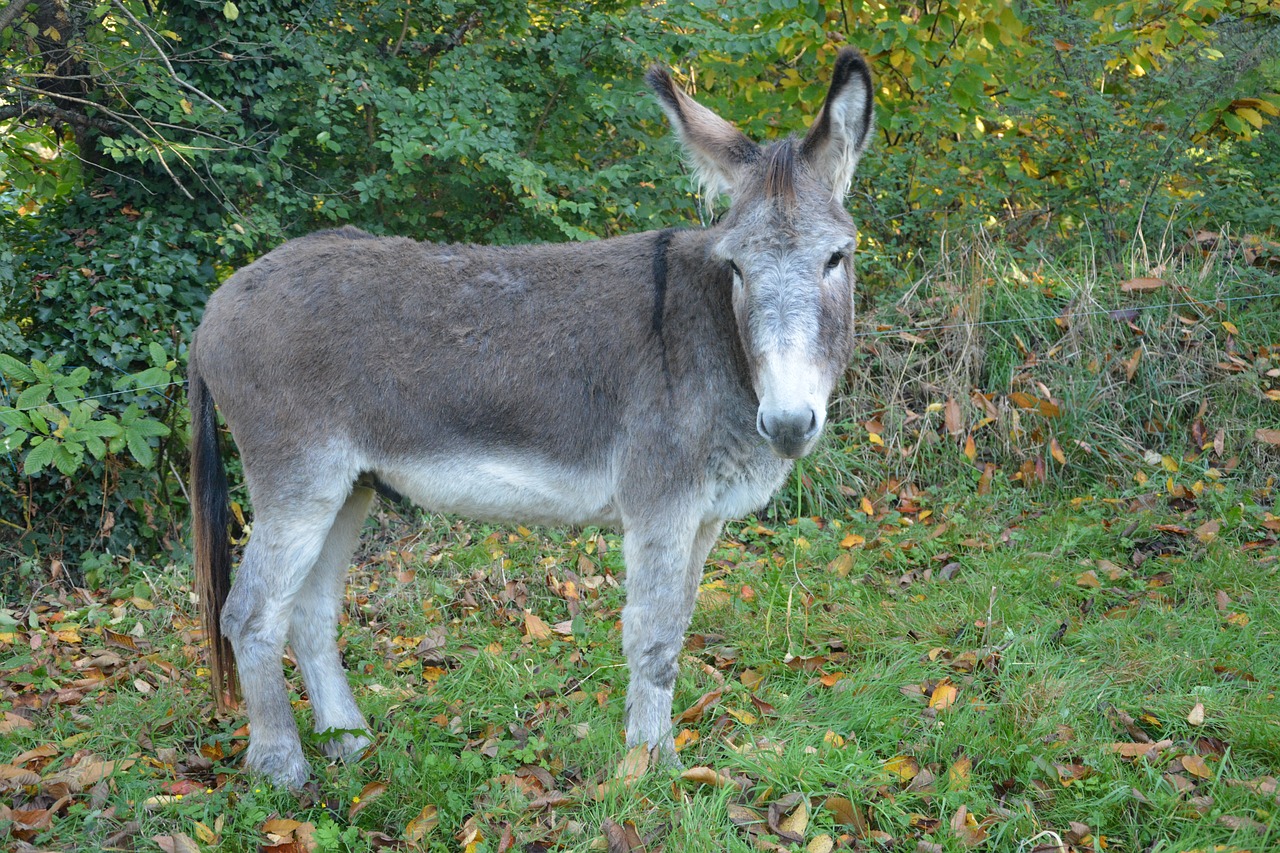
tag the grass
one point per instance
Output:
(1025, 597)
(975, 652)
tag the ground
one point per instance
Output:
(995, 668)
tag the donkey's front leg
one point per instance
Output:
(664, 568)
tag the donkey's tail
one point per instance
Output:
(211, 511)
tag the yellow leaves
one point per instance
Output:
(958, 773)
(904, 767)
(970, 449)
(867, 508)
(1252, 116)
(421, 826)
(853, 540)
(944, 695)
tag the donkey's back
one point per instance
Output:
(662, 382)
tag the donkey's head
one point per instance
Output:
(788, 241)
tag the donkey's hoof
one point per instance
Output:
(286, 768)
(345, 747)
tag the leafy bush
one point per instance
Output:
(105, 299)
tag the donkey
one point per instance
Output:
(660, 382)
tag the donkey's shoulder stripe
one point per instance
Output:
(660, 246)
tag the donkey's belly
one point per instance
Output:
(495, 488)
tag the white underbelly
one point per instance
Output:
(524, 489)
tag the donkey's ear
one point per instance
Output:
(842, 130)
(718, 149)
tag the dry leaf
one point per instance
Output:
(709, 777)
(822, 844)
(1267, 436)
(958, 773)
(535, 628)
(634, 764)
(903, 766)
(944, 695)
(176, 843)
(422, 825)
(694, 713)
(1196, 717)
(1137, 285)
(1195, 765)
(368, 794)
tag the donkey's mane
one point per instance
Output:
(780, 171)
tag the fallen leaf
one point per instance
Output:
(903, 766)
(1140, 285)
(944, 695)
(634, 764)
(368, 794)
(176, 843)
(821, 844)
(847, 813)
(1236, 823)
(535, 628)
(958, 773)
(709, 777)
(788, 818)
(694, 713)
(1267, 436)
(966, 828)
(1196, 717)
(422, 825)
(1195, 765)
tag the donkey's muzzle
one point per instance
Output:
(791, 434)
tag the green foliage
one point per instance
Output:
(148, 149)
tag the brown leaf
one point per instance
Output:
(783, 821)
(958, 773)
(847, 813)
(368, 794)
(966, 829)
(743, 816)
(694, 713)
(1196, 717)
(1195, 765)
(709, 777)
(951, 417)
(176, 843)
(535, 628)
(12, 722)
(1237, 823)
(1138, 285)
(634, 764)
(422, 825)
(615, 837)
(1267, 436)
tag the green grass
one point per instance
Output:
(826, 656)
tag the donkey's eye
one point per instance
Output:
(736, 271)
(835, 260)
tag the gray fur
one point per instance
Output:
(637, 382)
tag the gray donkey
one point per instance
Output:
(660, 382)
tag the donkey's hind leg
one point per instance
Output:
(287, 539)
(313, 630)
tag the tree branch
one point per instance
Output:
(10, 13)
(49, 112)
(183, 83)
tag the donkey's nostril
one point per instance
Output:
(790, 432)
